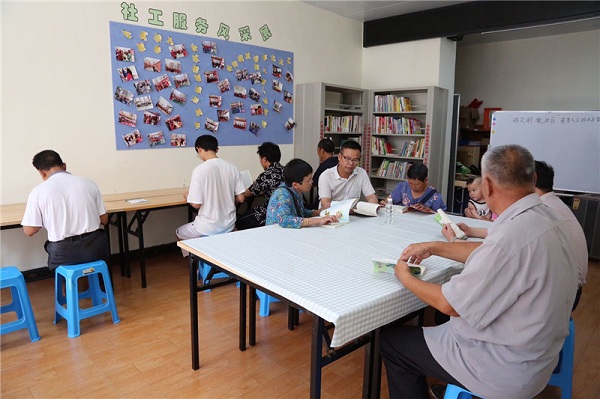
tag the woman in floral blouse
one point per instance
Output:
(286, 205)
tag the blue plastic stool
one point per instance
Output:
(454, 392)
(563, 374)
(102, 301)
(265, 301)
(11, 277)
(203, 272)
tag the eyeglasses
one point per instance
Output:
(351, 160)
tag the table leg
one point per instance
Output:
(372, 367)
(252, 317)
(242, 326)
(316, 361)
(125, 241)
(193, 263)
(140, 232)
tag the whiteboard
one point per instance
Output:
(567, 140)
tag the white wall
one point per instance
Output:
(56, 78)
(552, 73)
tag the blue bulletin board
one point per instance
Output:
(171, 87)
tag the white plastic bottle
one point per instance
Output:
(389, 211)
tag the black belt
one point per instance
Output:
(78, 237)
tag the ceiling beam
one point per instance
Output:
(474, 17)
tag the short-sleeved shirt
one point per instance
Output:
(214, 185)
(65, 205)
(514, 298)
(266, 183)
(284, 206)
(402, 195)
(552, 201)
(332, 185)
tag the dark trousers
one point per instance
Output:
(83, 248)
(408, 362)
(248, 221)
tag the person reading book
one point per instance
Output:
(215, 187)
(477, 208)
(286, 205)
(416, 192)
(544, 188)
(269, 156)
(347, 180)
(520, 279)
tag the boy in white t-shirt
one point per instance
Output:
(477, 208)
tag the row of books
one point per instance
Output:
(380, 146)
(413, 148)
(392, 103)
(393, 169)
(343, 124)
(391, 125)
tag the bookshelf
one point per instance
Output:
(328, 110)
(407, 126)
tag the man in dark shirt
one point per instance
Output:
(269, 156)
(327, 160)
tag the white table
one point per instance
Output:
(327, 272)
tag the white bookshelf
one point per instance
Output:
(328, 110)
(423, 126)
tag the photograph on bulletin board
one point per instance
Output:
(170, 88)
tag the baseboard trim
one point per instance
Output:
(43, 273)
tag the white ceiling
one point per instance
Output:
(367, 10)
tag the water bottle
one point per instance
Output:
(389, 211)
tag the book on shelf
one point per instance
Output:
(406, 104)
(380, 146)
(393, 169)
(392, 103)
(342, 124)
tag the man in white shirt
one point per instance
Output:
(215, 187)
(347, 180)
(543, 187)
(71, 209)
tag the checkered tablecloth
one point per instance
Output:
(329, 272)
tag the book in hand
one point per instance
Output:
(366, 208)
(387, 266)
(340, 209)
(443, 219)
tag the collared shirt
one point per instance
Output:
(265, 184)
(402, 195)
(65, 205)
(552, 201)
(283, 208)
(332, 185)
(514, 298)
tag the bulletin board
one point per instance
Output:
(170, 87)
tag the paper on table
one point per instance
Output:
(137, 201)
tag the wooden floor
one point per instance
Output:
(147, 355)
